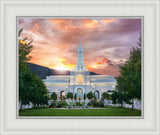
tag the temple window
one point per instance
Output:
(79, 80)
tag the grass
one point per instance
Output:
(80, 112)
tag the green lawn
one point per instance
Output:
(80, 112)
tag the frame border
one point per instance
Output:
(155, 131)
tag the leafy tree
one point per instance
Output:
(37, 91)
(114, 97)
(54, 96)
(84, 96)
(69, 95)
(90, 95)
(75, 97)
(120, 97)
(24, 72)
(44, 100)
(105, 95)
(31, 87)
(130, 74)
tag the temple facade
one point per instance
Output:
(80, 82)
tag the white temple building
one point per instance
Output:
(80, 82)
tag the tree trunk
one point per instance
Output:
(21, 105)
(34, 105)
(132, 104)
(121, 105)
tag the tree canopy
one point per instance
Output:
(69, 95)
(90, 95)
(54, 96)
(130, 74)
(106, 95)
(31, 87)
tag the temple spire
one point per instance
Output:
(80, 66)
(80, 39)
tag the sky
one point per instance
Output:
(107, 42)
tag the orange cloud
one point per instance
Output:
(102, 61)
(90, 23)
(106, 21)
(56, 41)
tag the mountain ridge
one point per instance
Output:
(43, 71)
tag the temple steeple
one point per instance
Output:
(80, 66)
(80, 39)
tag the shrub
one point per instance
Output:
(101, 103)
(69, 95)
(94, 103)
(106, 95)
(54, 96)
(53, 104)
(90, 95)
(78, 104)
(62, 104)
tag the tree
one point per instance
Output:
(37, 91)
(114, 97)
(90, 95)
(120, 97)
(75, 97)
(54, 96)
(130, 74)
(69, 95)
(31, 87)
(84, 96)
(105, 95)
(24, 72)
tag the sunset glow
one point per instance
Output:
(106, 42)
(62, 67)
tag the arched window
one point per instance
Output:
(62, 95)
(96, 94)
(79, 80)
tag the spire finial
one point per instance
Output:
(80, 38)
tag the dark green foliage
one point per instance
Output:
(69, 95)
(44, 100)
(105, 95)
(95, 103)
(84, 96)
(54, 96)
(53, 104)
(90, 95)
(120, 97)
(62, 104)
(59, 104)
(31, 87)
(114, 97)
(130, 74)
(78, 104)
(75, 97)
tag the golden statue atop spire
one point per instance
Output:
(80, 33)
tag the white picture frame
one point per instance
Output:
(148, 9)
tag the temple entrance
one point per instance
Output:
(79, 94)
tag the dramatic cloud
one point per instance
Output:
(106, 42)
